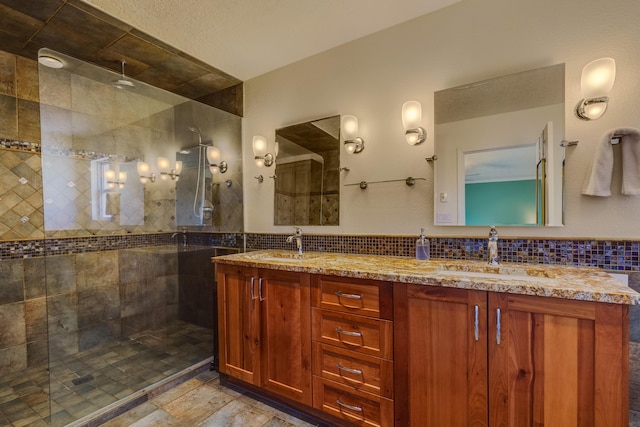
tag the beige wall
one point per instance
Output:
(472, 40)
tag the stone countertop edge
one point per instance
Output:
(566, 282)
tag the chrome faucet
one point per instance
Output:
(493, 246)
(184, 236)
(298, 237)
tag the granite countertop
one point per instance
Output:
(577, 283)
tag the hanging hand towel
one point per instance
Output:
(598, 180)
(630, 161)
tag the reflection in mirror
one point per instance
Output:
(497, 160)
(307, 190)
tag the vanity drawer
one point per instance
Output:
(365, 297)
(358, 371)
(351, 332)
(359, 408)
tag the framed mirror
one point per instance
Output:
(500, 161)
(307, 180)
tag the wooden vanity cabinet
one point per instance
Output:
(264, 318)
(475, 358)
(352, 323)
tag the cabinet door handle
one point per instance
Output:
(350, 370)
(498, 326)
(339, 294)
(344, 405)
(476, 324)
(260, 289)
(348, 333)
(253, 296)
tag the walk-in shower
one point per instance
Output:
(111, 304)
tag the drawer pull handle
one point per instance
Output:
(339, 294)
(253, 296)
(353, 408)
(476, 324)
(351, 371)
(260, 290)
(351, 334)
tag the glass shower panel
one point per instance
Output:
(114, 294)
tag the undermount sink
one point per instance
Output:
(285, 257)
(499, 276)
(496, 272)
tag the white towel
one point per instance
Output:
(598, 180)
(630, 162)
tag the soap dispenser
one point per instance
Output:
(422, 247)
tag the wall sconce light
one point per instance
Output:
(112, 182)
(353, 144)
(215, 164)
(165, 173)
(261, 157)
(144, 173)
(414, 133)
(596, 83)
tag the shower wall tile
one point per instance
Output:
(28, 121)
(13, 331)
(96, 269)
(37, 353)
(12, 288)
(13, 359)
(62, 344)
(61, 274)
(9, 116)
(62, 312)
(35, 316)
(56, 128)
(34, 278)
(98, 305)
(27, 79)
(7, 74)
(54, 87)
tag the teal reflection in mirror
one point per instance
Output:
(497, 163)
(307, 177)
(500, 186)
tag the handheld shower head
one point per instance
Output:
(196, 130)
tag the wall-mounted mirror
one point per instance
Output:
(307, 183)
(497, 141)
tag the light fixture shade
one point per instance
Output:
(594, 110)
(411, 115)
(143, 168)
(598, 78)
(213, 155)
(144, 179)
(178, 167)
(122, 177)
(349, 128)
(109, 174)
(259, 146)
(213, 169)
(259, 161)
(276, 149)
(163, 164)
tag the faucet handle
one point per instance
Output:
(298, 230)
(493, 233)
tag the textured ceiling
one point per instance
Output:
(246, 38)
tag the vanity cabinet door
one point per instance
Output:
(239, 322)
(440, 356)
(285, 303)
(557, 362)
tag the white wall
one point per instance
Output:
(469, 41)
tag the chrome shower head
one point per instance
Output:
(123, 82)
(196, 130)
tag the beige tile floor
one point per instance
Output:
(203, 402)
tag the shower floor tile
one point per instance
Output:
(85, 382)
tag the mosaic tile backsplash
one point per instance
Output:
(606, 254)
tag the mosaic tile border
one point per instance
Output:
(12, 144)
(623, 255)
